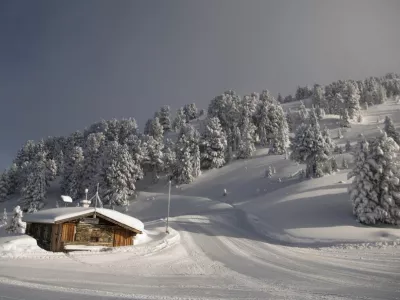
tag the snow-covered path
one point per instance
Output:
(219, 256)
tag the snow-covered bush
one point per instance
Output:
(16, 224)
(375, 190)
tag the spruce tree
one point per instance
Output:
(127, 127)
(156, 130)
(352, 101)
(71, 182)
(155, 155)
(277, 130)
(179, 120)
(391, 130)
(165, 119)
(213, 144)
(118, 174)
(303, 112)
(169, 157)
(309, 146)
(16, 224)
(375, 191)
(35, 185)
(334, 165)
(147, 127)
(246, 146)
(92, 152)
(187, 165)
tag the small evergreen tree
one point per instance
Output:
(156, 130)
(169, 157)
(93, 152)
(147, 127)
(303, 112)
(155, 154)
(190, 111)
(16, 225)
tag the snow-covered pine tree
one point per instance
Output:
(268, 172)
(179, 120)
(147, 127)
(71, 182)
(277, 130)
(344, 118)
(309, 147)
(165, 119)
(187, 151)
(25, 154)
(318, 97)
(155, 155)
(14, 179)
(16, 224)
(169, 157)
(92, 153)
(196, 161)
(391, 130)
(327, 137)
(303, 112)
(190, 111)
(348, 146)
(4, 186)
(375, 191)
(345, 164)
(352, 101)
(213, 145)
(262, 123)
(246, 146)
(34, 188)
(156, 130)
(334, 165)
(127, 127)
(118, 174)
(51, 171)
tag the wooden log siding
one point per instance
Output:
(123, 237)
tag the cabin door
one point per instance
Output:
(68, 232)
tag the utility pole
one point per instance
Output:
(169, 202)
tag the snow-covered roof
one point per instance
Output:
(55, 215)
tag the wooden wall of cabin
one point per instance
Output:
(42, 233)
(123, 237)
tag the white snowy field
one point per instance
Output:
(269, 238)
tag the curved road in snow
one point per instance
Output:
(219, 256)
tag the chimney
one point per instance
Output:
(85, 203)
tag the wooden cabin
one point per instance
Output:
(59, 229)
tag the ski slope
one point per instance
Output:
(269, 238)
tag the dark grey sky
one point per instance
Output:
(66, 64)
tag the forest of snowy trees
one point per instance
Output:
(116, 154)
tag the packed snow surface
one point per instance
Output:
(54, 215)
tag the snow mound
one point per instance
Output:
(18, 245)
